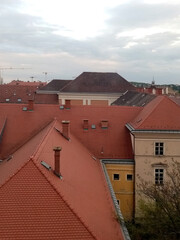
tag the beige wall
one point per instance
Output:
(145, 158)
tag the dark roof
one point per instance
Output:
(132, 98)
(98, 82)
(55, 85)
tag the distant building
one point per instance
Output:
(89, 88)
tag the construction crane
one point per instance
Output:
(7, 68)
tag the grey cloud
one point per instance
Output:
(136, 15)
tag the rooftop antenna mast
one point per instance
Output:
(45, 76)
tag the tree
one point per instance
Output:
(159, 209)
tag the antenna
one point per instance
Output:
(45, 76)
(32, 78)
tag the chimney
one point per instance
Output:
(57, 161)
(104, 124)
(65, 129)
(68, 104)
(30, 105)
(85, 124)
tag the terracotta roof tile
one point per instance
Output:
(115, 140)
(158, 115)
(31, 209)
(83, 188)
(16, 93)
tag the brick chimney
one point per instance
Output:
(85, 124)
(104, 124)
(65, 129)
(30, 105)
(57, 161)
(68, 104)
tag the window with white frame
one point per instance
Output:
(159, 148)
(159, 176)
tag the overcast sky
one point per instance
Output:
(139, 39)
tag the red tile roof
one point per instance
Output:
(31, 208)
(160, 114)
(115, 140)
(78, 206)
(16, 93)
(27, 83)
(94, 82)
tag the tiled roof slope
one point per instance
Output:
(113, 142)
(55, 85)
(32, 209)
(160, 114)
(132, 98)
(98, 82)
(16, 93)
(27, 83)
(175, 99)
(34, 202)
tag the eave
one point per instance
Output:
(133, 130)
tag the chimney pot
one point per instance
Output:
(57, 160)
(68, 104)
(31, 105)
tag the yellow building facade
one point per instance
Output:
(121, 176)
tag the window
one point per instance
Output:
(159, 148)
(129, 177)
(7, 99)
(115, 176)
(159, 176)
(19, 99)
(118, 201)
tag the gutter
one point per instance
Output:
(132, 130)
(117, 208)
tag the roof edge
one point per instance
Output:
(117, 209)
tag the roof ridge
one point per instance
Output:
(67, 85)
(154, 106)
(14, 149)
(65, 201)
(42, 142)
(16, 172)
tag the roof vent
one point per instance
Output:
(45, 165)
(24, 109)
